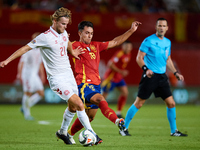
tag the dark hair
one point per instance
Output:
(82, 24)
(162, 19)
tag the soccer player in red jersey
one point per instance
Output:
(114, 76)
(87, 73)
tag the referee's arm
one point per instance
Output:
(170, 66)
(140, 62)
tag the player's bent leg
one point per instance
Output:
(62, 133)
(67, 118)
(99, 100)
(77, 126)
(75, 102)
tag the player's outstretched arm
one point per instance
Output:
(122, 38)
(16, 54)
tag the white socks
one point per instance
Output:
(35, 98)
(67, 118)
(25, 106)
(83, 118)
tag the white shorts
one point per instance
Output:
(64, 85)
(32, 83)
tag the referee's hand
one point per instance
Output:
(149, 73)
(179, 76)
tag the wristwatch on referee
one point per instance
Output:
(175, 73)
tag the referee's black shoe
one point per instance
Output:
(178, 133)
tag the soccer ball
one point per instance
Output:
(87, 138)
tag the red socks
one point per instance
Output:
(121, 102)
(107, 112)
(76, 126)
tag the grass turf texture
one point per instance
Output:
(149, 129)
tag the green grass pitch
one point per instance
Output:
(149, 129)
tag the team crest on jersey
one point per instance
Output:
(64, 38)
(93, 48)
(33, 41)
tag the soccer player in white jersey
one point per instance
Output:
(31, 74)
(54, 45)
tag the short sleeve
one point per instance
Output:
(169, 48)
(39, 41)
(144, 47)
(103, 46)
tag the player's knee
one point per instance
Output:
(97, 99)
(80, 106)
(125, 94)
(41, 93)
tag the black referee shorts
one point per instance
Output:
(157, 84)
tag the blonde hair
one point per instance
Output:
(62, 12)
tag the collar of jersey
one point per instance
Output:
(55, 33)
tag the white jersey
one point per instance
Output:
(31, 62)
(30, 71)
(53, 48)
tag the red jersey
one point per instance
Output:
(87, 68)
(120, 60)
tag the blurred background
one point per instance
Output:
(19, 19)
